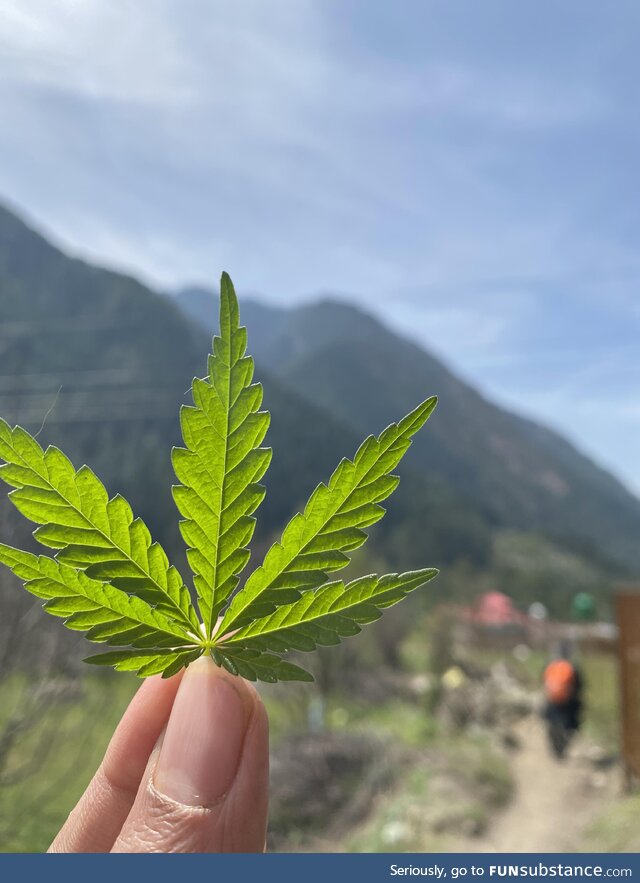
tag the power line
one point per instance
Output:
(23, 328)
(90, 404)
(88, 378)
(94, 415)
(92, 388)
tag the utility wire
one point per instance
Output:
(89, 377)
(62, 326)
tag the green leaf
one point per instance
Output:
(253, 665)
(146, 663)
(315, 542)
(111, 581)
(333, 611)
(222, 464)
(105, 613)
(90, 531)
(248, 663)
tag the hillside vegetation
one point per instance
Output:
(108, 362)
(511, 472)
(99, 364)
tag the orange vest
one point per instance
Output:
(559, 681)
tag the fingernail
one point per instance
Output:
(204, 737)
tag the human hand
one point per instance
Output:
(187, 770)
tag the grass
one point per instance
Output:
(452, 783)
(617, 829)
(452, 791)
(602, 705)
(396, 823)
(399, 721)
(53, 761)
(69, 740)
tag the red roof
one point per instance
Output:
(495, 608)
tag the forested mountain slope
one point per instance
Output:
(108, 362)
(511, 471)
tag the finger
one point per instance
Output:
(100, 813)
(207, 789)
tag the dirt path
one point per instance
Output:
(553, 801)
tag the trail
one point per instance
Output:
(554, 801)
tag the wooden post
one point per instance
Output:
(628, 616)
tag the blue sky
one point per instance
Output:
(468, 171)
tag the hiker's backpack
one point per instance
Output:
(559, 681)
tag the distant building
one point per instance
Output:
(495, 613)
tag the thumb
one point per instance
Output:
(206, 784)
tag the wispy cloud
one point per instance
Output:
(471, 178)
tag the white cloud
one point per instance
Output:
(98, 50)
(473, 328)
(445, 189)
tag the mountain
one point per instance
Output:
(112, 360)
(201, 305)
(110, 356)
(99, 364)
(513, 472)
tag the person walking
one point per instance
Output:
(563, 688)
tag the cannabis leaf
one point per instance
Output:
(315, 542)
(91, 532)
(222, 464)
(105, 613)
(333, 611)
(111, 580)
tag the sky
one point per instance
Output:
(466, 171)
